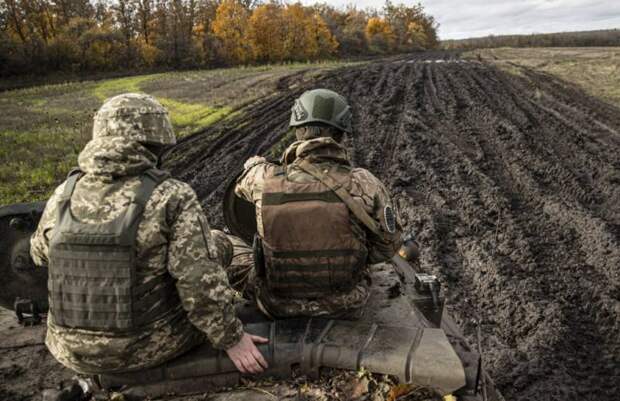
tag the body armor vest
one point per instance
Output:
(92, 272)
(311, 246)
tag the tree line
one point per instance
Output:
(43, 36)
(609, 37)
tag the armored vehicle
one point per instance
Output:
(404, 331)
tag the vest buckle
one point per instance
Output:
(27, 311)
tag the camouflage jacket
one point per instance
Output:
(173, 235)
(365, 188)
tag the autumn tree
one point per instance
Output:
(40, 36)
(203, 31)
(351, 35)
(175, 32)
(307, 34)
(144, 18)
(102, 13)
(380, 36)
(101, 47)
(230, 27)
(326, 43)
(267, 33)
(124, 15)
(412, 28)
(148, 53)
(15, 19)
(68, 9)
(296, 43)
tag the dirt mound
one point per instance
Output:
(513, 186)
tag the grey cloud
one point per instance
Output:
(460, 19)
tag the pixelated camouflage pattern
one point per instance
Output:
(135, 116)
(365, 188)
(173, 238)
(241, 273)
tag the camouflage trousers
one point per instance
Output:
(243, 278)
(241, 272)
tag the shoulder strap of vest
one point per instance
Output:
(151, 179)
(344, 195)
(72, 179)
(148, 182)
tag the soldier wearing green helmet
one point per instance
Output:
(321, 222)
(322, 106)
(136, 276)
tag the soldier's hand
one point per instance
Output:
(246, 357)
(253, 161)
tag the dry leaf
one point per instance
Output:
(399, 390)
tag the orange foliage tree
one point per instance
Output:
(380, 35)
(42, 36)
(267, 33)
(307, 34)
(230, 27)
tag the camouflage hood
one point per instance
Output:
(115, 157)
(317, 150)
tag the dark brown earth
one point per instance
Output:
(512, 184)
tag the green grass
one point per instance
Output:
(33, 163)
(595, 70)
(114, 87)
(43, 128)
(187, 117)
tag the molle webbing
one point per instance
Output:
(281, 198)
(92, 278)
(311, 249)
(342, 193)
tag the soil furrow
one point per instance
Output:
(512, 184)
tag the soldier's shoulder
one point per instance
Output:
(172, 184)
(255, 173)
(60, 189)
(172, 189)
(364, 176)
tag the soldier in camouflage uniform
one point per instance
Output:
(312, 261)
(176, 256)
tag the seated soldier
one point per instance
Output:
(136, 276)
(320, 221)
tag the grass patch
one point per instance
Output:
(33, 164)
(186, 117)
(596, 70)
(189, 117)
(43, 128)
(114, 87)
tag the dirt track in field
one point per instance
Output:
(513, 186)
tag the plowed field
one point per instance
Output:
(512, 184)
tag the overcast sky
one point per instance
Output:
(470, 18)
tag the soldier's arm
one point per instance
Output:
(196, 256)
(249, 183)
(39, 241)
(382, 247)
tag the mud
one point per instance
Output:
(512, 184)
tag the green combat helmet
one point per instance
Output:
(324, 106)
(134, 116)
